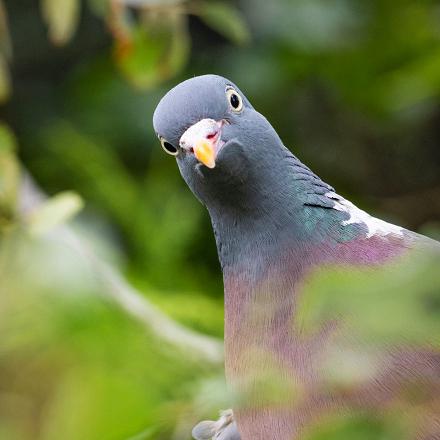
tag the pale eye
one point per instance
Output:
(168, 148)
(235, 100)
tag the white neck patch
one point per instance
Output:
(375, 226)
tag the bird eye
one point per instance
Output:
(169, 148)
(235, 100)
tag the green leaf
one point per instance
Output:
(9, 174)
(153, 49)
(62, 18)
(7, 139)
(99, 7)
(57, 210)
(362, 426)
(5, 80)
(413, 83)
(224, 19)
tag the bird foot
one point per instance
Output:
(224, 428)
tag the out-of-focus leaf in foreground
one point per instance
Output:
(361, 427)
(397, 304)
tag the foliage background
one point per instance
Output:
(353, 87)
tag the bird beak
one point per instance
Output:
(204, 140)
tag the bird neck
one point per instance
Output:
(269, 214)
(264, 260)
(264, 247)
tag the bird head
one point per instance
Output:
(221, 143)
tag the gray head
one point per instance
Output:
(226, 151)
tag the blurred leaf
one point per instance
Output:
(225, 19)
(204, 314)
(415, 82)
(7, 140)
(5, 80)
(99, 7)
(119, 21)
(9, 174)
(397, 302)
(54, 212)
(146, 434)
(152, 49)
(361, 427)
(62, 17)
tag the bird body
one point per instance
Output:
(301, 342)
(270, 335)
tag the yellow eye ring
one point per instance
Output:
(234, 99)
(168, 148)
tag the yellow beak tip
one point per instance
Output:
(205, 153)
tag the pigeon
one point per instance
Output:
(330, 313)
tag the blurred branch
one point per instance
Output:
(119, 290)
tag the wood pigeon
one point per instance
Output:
(330, 313)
